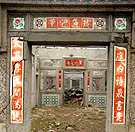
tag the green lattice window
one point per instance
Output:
(99, 101)
(50, 99)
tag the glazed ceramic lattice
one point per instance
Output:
(19, 23)
(50, 99)
(99, 101)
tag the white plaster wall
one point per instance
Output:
(91, 53)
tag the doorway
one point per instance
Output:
(83, 82)
(73, 87)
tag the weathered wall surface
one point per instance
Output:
(89, 53)
(4, 82)
(3, 88)
(132, 92)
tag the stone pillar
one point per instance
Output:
(132, 96)
(0, 24)
(109, 88)
(4, 103)
(3, 91)
(26, 125)
(109, 126)
(132, 79)
(133, 30)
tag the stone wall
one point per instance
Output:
(3, 88)
(132, 92)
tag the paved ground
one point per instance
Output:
(68, 118)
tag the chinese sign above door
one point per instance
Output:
(74, 63)
(16, 81)
(65, 23)
(119, 88)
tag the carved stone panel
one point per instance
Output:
(97, 84)
(41, 79)
(50, 84)
(50, 63)
(97, 73)
(50, 72)
(97, 64)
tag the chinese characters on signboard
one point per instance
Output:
(74, 63)
(70, 23)
(88, 80)
(16, 81)
(60, 72)
(119, 94)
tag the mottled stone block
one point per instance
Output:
(50, 72)
(132, 93)
(3, 127)
(97, 73)
(41, 79)
(50, 63)
(97, 64)
(3, 88)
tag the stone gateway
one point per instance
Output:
(99, 72)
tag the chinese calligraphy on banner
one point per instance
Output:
(88, 80)
(74, 63)
(70, 23)
(60, 72)
(119, 89)
(16, 81)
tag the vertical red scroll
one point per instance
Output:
(119, 94)
(88, 80)
(16, 81)
(60, 72)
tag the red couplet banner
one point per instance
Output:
(119, 87)
(16, 81)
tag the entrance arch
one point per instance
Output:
(27, 55)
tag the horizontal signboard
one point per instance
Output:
(74, 63)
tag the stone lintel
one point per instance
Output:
(71, 37)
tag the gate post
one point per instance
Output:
(109, 87)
